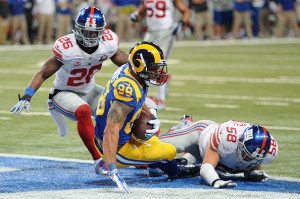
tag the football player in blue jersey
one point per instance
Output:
(121, 104)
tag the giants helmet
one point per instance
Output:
(254, 144)
(89, 26)
(147, 61)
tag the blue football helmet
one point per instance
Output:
(89, 26)
(254, 144)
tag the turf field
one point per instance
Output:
(256, 81)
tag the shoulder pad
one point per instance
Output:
(126, 90)
(224, 139)
(57, 50)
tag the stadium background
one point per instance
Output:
(255, 81)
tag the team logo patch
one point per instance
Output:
(77, 63)
(103, 58)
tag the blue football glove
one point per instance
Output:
(115, 176)
(24, 103)
(155, 128)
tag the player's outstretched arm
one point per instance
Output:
(119, 58)
(49, 68)
(115, 120)
(208, 172)
(185, 11)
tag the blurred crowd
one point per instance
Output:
(42, 21)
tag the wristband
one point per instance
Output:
(112, 166)
(213, 183)
(29, 91)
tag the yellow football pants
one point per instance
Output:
(134, 153)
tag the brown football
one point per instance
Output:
(140, 125)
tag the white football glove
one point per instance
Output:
(256, 175)
(155, 128)
(115, 176)
(24, 103)
(223, 184)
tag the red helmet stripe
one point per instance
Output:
(92, 15)
(264, 141)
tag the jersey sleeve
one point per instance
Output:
(111, 40)
(126, 91)
(57, 50)
(272, 153)
(224, 139)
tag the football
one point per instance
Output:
(140, 126)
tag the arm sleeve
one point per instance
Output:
(209, 174)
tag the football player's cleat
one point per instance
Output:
(100, 167)
(181, 161)
(187, 171)
(146, 59)
(155, 172)
(186, 120)
(89, 26)
(253, 145)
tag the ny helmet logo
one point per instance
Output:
(90, 23)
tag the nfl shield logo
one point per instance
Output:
(77, 63)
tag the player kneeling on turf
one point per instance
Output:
(121, 104)
(224, 149)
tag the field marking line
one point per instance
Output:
(229, 106)
(185, 43)
(199, 79)
(236, 97)
(162, 120)
(266, 103)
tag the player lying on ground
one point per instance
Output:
(227, 148)
(76, 58)
(121, 104)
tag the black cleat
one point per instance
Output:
(187, 171)
(181, 161)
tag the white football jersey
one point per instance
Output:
(224, 139)
(79, 67)
(159, 14)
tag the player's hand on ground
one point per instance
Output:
(223, 184)
(24, 103)
(115, 176)
(256, 176)
(155, 123)
(100, 167)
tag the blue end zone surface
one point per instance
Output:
(43, 175)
